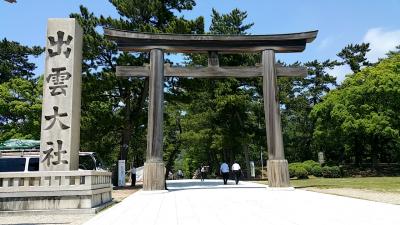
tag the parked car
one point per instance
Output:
(28, 161)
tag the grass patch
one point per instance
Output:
(383, 184)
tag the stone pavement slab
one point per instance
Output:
(43, 219)
(192, 202)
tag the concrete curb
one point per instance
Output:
(91, 211)
(280, 189)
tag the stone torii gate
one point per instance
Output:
(157, 44)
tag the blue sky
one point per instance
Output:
(339, 22)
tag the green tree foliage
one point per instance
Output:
(114, 110)
(231, 23)
(360, 120)
(173, 135)
(318, 82)
(298, 97)
(219, 120)
(20, 92)
(20, 108)
(14, 61)
(354, 56)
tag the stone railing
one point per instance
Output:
(84, 190)
(49, 181)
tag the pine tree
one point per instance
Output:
(14, 61)
(114, 110)
(354, 56)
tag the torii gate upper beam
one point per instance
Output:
(187, 43)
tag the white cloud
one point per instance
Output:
(340, 72)
(325, 43)
(381, 41)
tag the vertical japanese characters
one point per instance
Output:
(60, 132)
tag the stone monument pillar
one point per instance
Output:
(277, 165)
(59, 187)
(154, 170)
(60, 129)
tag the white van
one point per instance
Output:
(28, 161)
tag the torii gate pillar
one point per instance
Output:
(277, 165)
(154, 171)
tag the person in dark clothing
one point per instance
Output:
(133, 176)
(203, 172)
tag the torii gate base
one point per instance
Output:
(154, 176)
(154, 179)
(278, 174)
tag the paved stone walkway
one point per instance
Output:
(191, 202)
(48, 219)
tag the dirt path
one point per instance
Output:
(386, 197)
(119, 194)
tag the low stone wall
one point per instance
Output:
(54, 190)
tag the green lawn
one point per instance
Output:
(386, 184)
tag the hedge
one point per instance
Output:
(310, 167)
(317, 171)
(331, 172)
(298, 170)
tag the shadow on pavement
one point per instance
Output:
(33, 223)
(178, 185)
(313, 186)
(128, 187)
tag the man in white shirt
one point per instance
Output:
(236, 171)
(224, 170)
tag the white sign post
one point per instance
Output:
(121, 173)
(252, 169)
(321, 158)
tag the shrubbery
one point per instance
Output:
(301, 173)
(317, 171)
(331, 172)
(307, 167)
(310, 167)
(310, 164)
(298, 170)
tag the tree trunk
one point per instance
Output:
(245, 148)
(126, 131)
(172, 156)
(130, 114)
(225, 155)
(246, 156)
(374, 155)
(358, 153)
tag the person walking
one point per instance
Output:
(180, 174)
(203, 172)
(224, 170)
(236, 171)
(133, 176)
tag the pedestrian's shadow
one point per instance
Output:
(179, 185)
